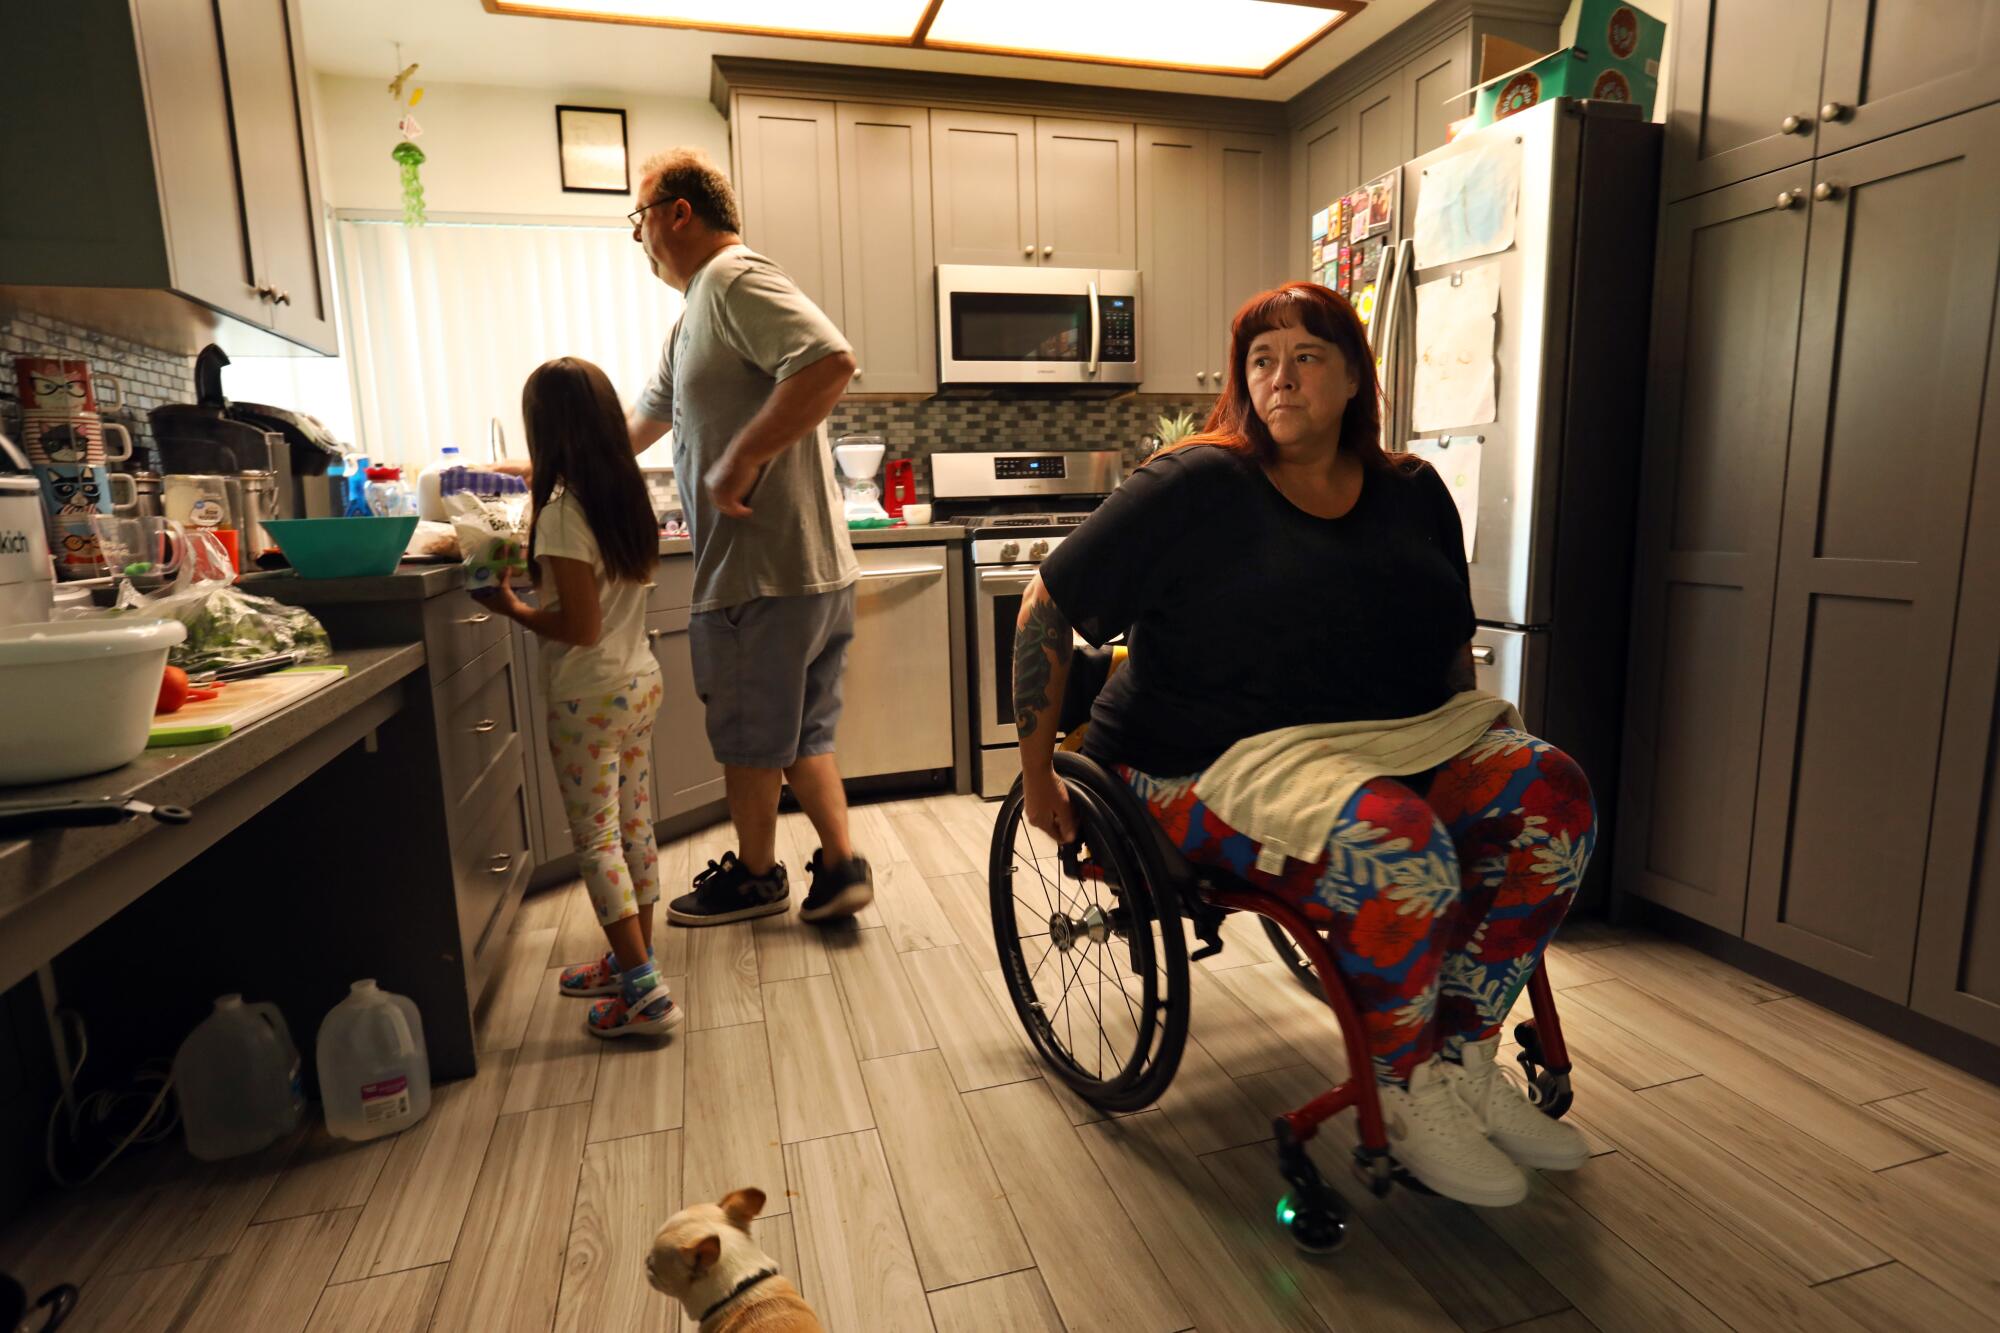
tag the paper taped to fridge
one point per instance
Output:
(1454, 368)
(1468, 202)
(1456, 458)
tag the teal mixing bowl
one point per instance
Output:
(342, 548)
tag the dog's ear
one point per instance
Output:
(739, 1206)
(701, 1255)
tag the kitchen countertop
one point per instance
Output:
(924, 535)
(33, 867)
(409, 583)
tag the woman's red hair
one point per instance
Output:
(1326, 315)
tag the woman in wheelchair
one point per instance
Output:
(1298, 715)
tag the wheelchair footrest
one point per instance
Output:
(1208, 928)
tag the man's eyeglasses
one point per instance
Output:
(640, 212)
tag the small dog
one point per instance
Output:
(704, 1258)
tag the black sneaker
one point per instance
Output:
(727, 891)
(841, 890)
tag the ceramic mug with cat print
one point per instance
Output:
(66, 441)
(63, 387)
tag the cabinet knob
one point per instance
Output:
(498, 865)
(857, 372)
(265, 291)
(1795, 124)
(483, 725)
(1835, 111)
(1048, 250)
(1028, 250)
(283, 298)
(1788, 199)
(1200, 376)
(653, 636)
(1216, 375)
(1826, 190)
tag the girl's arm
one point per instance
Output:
(578, 619)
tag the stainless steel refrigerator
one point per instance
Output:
(1558, 444)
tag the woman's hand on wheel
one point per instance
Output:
(1048, 806)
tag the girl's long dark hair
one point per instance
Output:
(577, 442)
(1326, 315)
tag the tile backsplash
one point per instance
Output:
(916, 430)
(148, 375)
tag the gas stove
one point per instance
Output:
(1017, 506)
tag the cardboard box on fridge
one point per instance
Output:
(1611, 52)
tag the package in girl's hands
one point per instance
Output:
(492, 537)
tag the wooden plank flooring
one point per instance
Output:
(1761, 1163)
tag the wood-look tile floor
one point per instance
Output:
(1760, 1163)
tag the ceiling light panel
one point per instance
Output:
(1226, 36)
(866, 20)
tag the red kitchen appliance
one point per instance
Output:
(899, 486)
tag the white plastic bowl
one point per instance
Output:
(77, 697)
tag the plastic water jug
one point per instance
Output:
(374, 1073)
(237, 1077)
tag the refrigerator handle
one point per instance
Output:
(1392, 307)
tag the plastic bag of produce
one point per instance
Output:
(492, 537)
(226, 626)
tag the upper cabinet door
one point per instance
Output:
(983, 188)
(1745, 90)
(885, 246)
(1384, 137)
(1323, 169)
(1084, 194)
(1245, 233)
(1174, 254)
(272, 154)
(790, 188)
(180, 44)
(1435, 85)
(1893, 350)
(1894, 64)
(1719, 392)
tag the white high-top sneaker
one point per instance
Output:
(1437, 1140)
(1508, 1117)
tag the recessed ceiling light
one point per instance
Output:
(852, 20)
(1224, 36)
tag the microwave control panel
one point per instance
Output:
(1117, 318)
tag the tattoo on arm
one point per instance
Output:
(1462, 677)
(1041, 642)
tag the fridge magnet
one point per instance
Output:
(591, 143)
(1357, 215)
(1382, 202)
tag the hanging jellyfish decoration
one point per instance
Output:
(406, 153)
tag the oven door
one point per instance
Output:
(1036, 326)
(998, 590)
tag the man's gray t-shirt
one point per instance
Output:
(747, 326)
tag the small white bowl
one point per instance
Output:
(916, 515)
(80, 695)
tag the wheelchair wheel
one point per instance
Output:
(1093, 957)
(1292, 955)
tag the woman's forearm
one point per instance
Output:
(1043, 647)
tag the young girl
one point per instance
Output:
(594, 543)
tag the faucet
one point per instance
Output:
(496, 440)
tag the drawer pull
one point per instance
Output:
(483, 725)
(499, 864)
(479, 619)
(1482, 656)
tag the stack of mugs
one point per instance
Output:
(65, 434)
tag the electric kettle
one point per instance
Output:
(27, 579)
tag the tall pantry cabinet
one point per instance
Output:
(1811, 734)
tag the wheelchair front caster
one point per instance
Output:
(1548, 1089)
(1316, 1226)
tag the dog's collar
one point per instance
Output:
(736, 1291)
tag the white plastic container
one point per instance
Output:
(237, 1078)
(79, 695)
(374, 1073)
(430, 499)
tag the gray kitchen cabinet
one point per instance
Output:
(1084, 193)
(885, 246)
(1957, 976)
(1384, 136)
(685, 774)
(1745, 96)
(185, 160)
(1435, 84)
(1894, 342)
(1323, 169)
(1895, 64)
(1210, 237)
(788, 183)
(983, 187)
(1729, 283)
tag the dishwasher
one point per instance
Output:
(896, 693)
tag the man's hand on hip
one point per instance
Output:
(730, 482)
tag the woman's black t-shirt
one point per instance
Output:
(1244, 613)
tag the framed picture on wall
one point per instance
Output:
(591, 142)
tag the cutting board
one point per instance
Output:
(240, 703)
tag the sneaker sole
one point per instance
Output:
(777, 908)
(594, 993)
(665, 1024)
(1528, 1157)
(1478, 1197)
(845, 903)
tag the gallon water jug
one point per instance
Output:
(237, 1077)
(374, 1074)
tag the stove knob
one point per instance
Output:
(1039, 550)
(1010, 552)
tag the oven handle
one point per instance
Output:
(1007, 577)
(1096, 329)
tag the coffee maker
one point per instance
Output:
(860, 458)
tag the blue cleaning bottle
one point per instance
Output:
(357, 486)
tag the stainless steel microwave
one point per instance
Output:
(998, 324)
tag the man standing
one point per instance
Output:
(745, 382)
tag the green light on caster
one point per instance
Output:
(1286, 1212)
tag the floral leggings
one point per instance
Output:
(603, 747)
(1436, 906)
